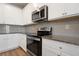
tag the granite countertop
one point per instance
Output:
(66, 39)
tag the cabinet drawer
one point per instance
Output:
(64, 48)
(70, 49)
(51, 43)
(47, 51)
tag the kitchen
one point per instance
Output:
(39, 29)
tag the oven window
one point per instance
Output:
(34, 46)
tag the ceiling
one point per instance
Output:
(20, 5)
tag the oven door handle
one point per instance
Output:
(36, 39)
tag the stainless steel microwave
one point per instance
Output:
(41, 15)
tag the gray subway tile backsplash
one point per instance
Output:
(66, 28)
(2, 28)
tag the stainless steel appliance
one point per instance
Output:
(34, 45)
(44, 31)
(35, 16)
(41, 15)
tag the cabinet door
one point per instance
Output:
(54, 10)
(70, 49)
(50, 48)
(12, 41)
(70, 9)
(16, 40)
(60, 10)
(27, 12)
(3, 43)
(9, 41)
(47, 51)
(60, 48)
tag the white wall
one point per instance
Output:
(10, 14)
(13, 15)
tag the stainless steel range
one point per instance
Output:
(34, 45)
(34, 41)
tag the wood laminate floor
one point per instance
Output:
(15, 52)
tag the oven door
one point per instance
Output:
(34, 46)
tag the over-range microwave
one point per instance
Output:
(41, 15)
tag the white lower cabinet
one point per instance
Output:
(70, 49)
(11, 41)
(49, 52)
(49, 49)
(3, 43)
(23, 41)
(56, 48)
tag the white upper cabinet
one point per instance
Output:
(54, 10)
(71, 8)
(58, 10)
(27, 13)
(3, 43)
